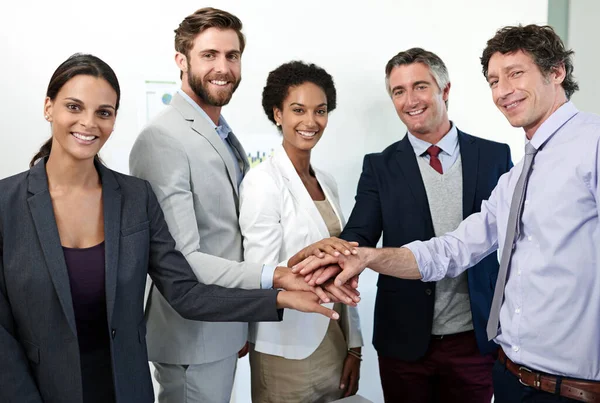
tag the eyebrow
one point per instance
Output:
(81, 102)
(228, 52)
(299, 104)
(421, 82)
(413, 84)
(513, 66)
(507, 68)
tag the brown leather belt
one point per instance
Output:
(584, 391)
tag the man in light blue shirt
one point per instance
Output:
(548, 234)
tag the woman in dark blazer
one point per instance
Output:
(76, 243)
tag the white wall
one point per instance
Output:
(353, 41)
(584, 34)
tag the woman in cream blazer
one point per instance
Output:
(285, 205)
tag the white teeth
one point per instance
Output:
(414, 113)
(306, 134)
(82, 137)
(510, 106)
(218, 82)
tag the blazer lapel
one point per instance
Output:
(469, 154)
(111, 199)
(207, 130)
(405, 156)
(42, 212)
(298, 191)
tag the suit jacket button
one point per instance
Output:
(428, 291)
(113, 333)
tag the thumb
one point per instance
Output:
(344, 379)
(343, 277)
(297, 258)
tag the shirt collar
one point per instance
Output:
(448, 143)
(222, 128)
(553, 123)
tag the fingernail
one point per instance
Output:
(342, 386)
(338, 283)
(348, 300)
(346, 252)
(335, 316)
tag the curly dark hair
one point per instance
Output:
(541, 43)
(293, 74)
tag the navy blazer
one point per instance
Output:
(38, 336)
(391, 199)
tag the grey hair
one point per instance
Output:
(418, 55)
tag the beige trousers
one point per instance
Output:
(315, 379)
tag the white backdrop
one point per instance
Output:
(352, 40)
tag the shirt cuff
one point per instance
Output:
(424, 261)
(266, 278)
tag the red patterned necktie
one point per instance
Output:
(434, 161)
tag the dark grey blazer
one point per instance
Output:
(38, 338)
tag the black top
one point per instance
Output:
(88, 291)
(86, 275)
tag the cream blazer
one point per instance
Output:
(277, 219)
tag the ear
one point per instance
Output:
(278, 115)
(181, 61)
(446, 92)
(48, 109)
(558, 74)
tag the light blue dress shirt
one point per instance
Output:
(223, 131)
(448, 144)
(550, 317)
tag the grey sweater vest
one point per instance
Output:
(452, 309)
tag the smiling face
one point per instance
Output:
(523, 94)
(303, 117)
(418, 100)
(82, 115)
(212, 70)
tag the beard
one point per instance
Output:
(220, 97)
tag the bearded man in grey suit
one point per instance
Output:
(195, 165)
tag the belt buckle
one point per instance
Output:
(537, 382)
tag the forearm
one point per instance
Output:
(210, 269)
(394, 262)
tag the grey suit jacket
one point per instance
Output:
(38, 337)
(192, 173)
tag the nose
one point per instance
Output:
(503, 88)
(220, 65)
(411, 98)
(310, 121)
(88, 119)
